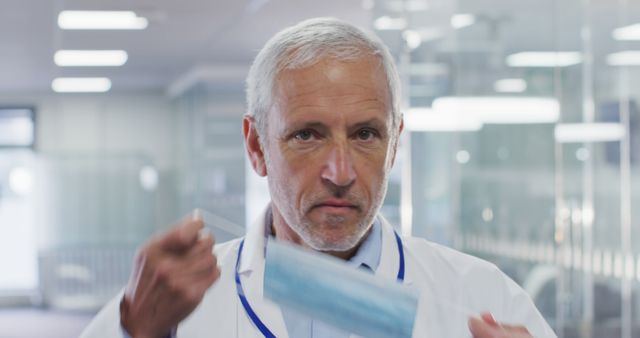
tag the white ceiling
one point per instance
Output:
(181, 35)
(224, 35)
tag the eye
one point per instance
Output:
(304, 135)
(365, 134)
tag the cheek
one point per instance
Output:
(289, 175)
(372, 171)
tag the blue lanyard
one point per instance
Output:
(254, 317)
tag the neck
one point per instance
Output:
(283, 232)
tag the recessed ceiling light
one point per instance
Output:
(101, 20)
(384, 23)
(510, 86)
(78, 58)
(631, 32)
(544, 59)
(501, 109)
(81, 85)
(624, 58)
(459, 21)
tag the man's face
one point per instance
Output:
(328, 150)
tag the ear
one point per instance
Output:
(397, 140)
(254, 147)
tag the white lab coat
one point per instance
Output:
(452, 285)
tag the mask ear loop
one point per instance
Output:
(212, 222)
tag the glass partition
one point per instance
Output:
(522, 130)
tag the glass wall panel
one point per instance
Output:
(210, 158)
(516, 115)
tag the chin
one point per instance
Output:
(327, 245)
(334, 239)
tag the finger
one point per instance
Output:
(182, 236)
(489, 319)
(481, 329)
(203, 246)
(197, 214)
(206, 270)
(194, 289)
(197, 265)
(202, 275)
(197, 280)
(515, 328)
(199, 260)
(192, 263)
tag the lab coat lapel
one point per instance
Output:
(252, 277)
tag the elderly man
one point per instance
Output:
(323, 127)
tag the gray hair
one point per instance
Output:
(303, 45)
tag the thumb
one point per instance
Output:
(183, 236)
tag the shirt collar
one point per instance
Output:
(368, 254)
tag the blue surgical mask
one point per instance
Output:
(326, 288)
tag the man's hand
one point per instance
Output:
(487, 327)
(170, 276)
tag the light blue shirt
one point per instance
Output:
(367, 257)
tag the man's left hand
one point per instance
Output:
(487, 327)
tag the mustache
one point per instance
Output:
(346, 194)
(339, 191)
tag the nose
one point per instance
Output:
(339, 168)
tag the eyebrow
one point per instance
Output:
(373, 122)
(306, 125)
(322, 127)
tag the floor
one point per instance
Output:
(41, 323)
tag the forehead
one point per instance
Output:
(331, 83)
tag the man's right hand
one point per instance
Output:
(170, 276)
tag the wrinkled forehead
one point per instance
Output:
(364, 77)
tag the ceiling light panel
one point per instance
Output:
(625, 58)
(544, 59)
(501, 109)
(426, 119)
(631, 32)
(385, 23)
(90, 58)
(101, 20)
(510, 86)
(459, 21)
(81, 85)
(589, 132)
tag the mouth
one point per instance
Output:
(336, 206)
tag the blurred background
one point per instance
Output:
(521, 146)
